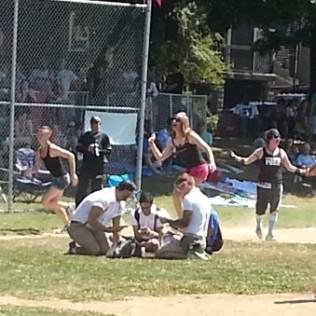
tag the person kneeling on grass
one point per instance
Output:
(193, 223)
(88, 223)
(146, 224)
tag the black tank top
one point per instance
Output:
(189, 155)
(54, 165)
(270, 168)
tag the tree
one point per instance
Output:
(180, 33)
(298, 16)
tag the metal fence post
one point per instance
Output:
(12, 101)
(143, 95)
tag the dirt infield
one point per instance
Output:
(185, 305)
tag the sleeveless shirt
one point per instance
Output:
(270, 168)
(189, 155)
(54, 165)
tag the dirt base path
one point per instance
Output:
(287, 235)
(185, 305)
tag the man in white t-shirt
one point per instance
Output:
(146, 224)
(89, 221)
(193, 223)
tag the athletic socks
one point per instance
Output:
(272, 220)
(258, 222)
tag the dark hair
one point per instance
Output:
(146, 197)
(126, 185)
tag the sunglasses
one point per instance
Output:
(177, 119)
(274, 136)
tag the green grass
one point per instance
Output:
(38, 222)
(31, 311)
(37, 269)
(28, 223)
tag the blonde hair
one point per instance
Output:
(185, 124)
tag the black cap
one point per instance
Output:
(271, 133)
(95, 119)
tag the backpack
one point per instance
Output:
(137, 218)
(126, 248)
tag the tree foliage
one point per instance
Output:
(185, 37)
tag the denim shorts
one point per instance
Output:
(61, 183)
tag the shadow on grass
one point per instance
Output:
(19, 231)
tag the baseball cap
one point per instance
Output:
(272, 133)
(95, 119)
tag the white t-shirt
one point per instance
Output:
(104, 199)
(200, 206)
(148, 220)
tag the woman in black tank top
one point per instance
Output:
(271, 159)
(188, 146)
(52, 156)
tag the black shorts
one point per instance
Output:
(267, 196)
(62, 182)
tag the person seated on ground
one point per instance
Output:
(89, 220)
(214, 240)
(193, 223)
(305, 158)
(204, 132)
(146, 224)
(292, 150)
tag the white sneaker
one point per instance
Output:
(193, 255)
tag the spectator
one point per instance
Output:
(95, 146)
(65, 77)
(305, 159)
(98, 76)
(146, 224)
(89, 221)
(23, 130)
(204, 133)
(175, 79)
(291, 115)
(193, 223)
(291, 150)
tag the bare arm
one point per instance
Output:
(116, 228)
(256, 155)
(94, 215)
(165, 154)
(57, 151)
(182, 222)
(288, 166)
(194, 138)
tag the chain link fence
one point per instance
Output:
(165, 105)
(75, 59)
